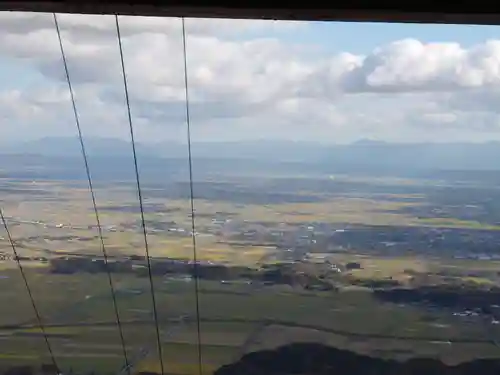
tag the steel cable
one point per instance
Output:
(30, 294)
(139, 193)
(193, 226)
(91, 189)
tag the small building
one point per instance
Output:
(353, 266)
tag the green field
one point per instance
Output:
(235, 319)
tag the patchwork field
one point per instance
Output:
(53, 218)
(235, 319)
(253, 223)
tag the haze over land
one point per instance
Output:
(423, 160)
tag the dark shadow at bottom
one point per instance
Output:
(312, 358)
(318, 359)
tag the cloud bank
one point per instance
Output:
(246, 80)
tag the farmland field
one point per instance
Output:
(232, 324)
(304, 265)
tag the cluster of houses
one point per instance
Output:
(10, 257)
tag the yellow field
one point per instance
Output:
(478, 280)
(75, 208)
(210, 251)
(382, 268)
(455, 223)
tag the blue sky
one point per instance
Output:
(19, 75)
(360, 38)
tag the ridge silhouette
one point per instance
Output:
(316, 359)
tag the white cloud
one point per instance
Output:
(245, 81)
(411, 65)
(98, 25)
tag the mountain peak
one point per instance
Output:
(368, 142)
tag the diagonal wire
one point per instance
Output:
(139, 193)
(91, 188)
(28, 289)
(193, 227)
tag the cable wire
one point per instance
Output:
(193, 226)
(30, 294)
(139, 193)
(91, 188)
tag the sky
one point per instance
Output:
(328, 82)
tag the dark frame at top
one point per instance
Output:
(464, 12)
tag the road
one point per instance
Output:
(267, 322)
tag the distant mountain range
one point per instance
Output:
(59, 146)
(70, 146)
(363, 156)
(416, 156)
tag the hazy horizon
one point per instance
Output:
(361, 141)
